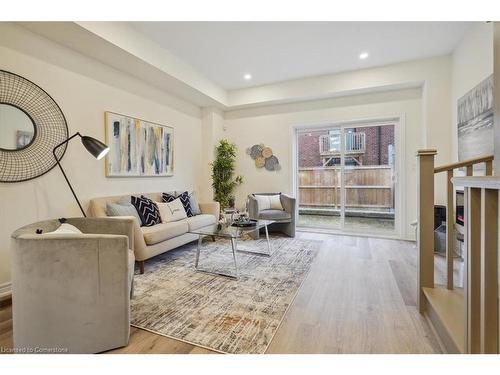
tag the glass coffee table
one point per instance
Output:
(233, 234)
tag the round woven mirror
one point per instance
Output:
(31, 125)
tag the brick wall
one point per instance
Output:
(308, 147)
(378, 138)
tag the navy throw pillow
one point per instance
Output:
(147, 210)
(186, 203)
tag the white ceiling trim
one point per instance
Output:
(117, 45)
(122, 48)
(386, 78)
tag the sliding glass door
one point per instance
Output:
(319, 178)
(346, 177)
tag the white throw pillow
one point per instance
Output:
(275, 202)
(65, 229)
(165, 213)
(263, 202)
(172, 211)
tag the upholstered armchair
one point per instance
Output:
(284, 219)
(72, 291)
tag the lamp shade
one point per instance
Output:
(95, 147)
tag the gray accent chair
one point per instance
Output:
(72, 291)
(285, 220)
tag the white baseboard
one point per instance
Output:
(5, 290)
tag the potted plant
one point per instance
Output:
(223, 180)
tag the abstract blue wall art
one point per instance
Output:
(138, 147)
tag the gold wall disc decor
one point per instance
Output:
(267, 152)
(264, 157)
(260, 162)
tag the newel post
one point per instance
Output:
(425, 219)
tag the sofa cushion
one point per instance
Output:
(274, 215)
(171, 211)
(193, 202)
(275, 202)
(147, 210)
(164, 231)
(199, 221)
(263, 202)
(184, 197)
(65, 229)
(122, 209)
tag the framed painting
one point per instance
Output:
(475, 122)
(138, 147)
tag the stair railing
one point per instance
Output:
(478, 284)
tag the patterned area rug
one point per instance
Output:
(218, 313)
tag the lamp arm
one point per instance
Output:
(62, 170)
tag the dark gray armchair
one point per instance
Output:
(284, 219)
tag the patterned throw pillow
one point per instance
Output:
(167, 197)
(147, 210)
(184, 197)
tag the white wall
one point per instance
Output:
(432, 74)
(273, 126)
(496, 96)
(212, 130)
(471, 62)
(83, 99)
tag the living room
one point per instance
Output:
(257, 194)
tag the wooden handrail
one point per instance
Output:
(464, 163)
(425, 228)
(481, 246)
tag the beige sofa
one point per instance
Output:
(71, 292)
(154, 240)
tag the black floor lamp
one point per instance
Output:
(94, 146)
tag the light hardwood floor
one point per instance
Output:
(359, 297)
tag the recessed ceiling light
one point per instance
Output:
(247, 77)
(363, 55)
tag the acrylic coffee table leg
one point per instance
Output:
(233, 247)
(268, 242)
(200, 238)
(251, 249)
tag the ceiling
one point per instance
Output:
(279, 51)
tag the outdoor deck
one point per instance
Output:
(361, 224)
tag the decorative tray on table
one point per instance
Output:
(242, 222)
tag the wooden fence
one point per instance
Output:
(366, 187)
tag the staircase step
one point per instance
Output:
(447, 315)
